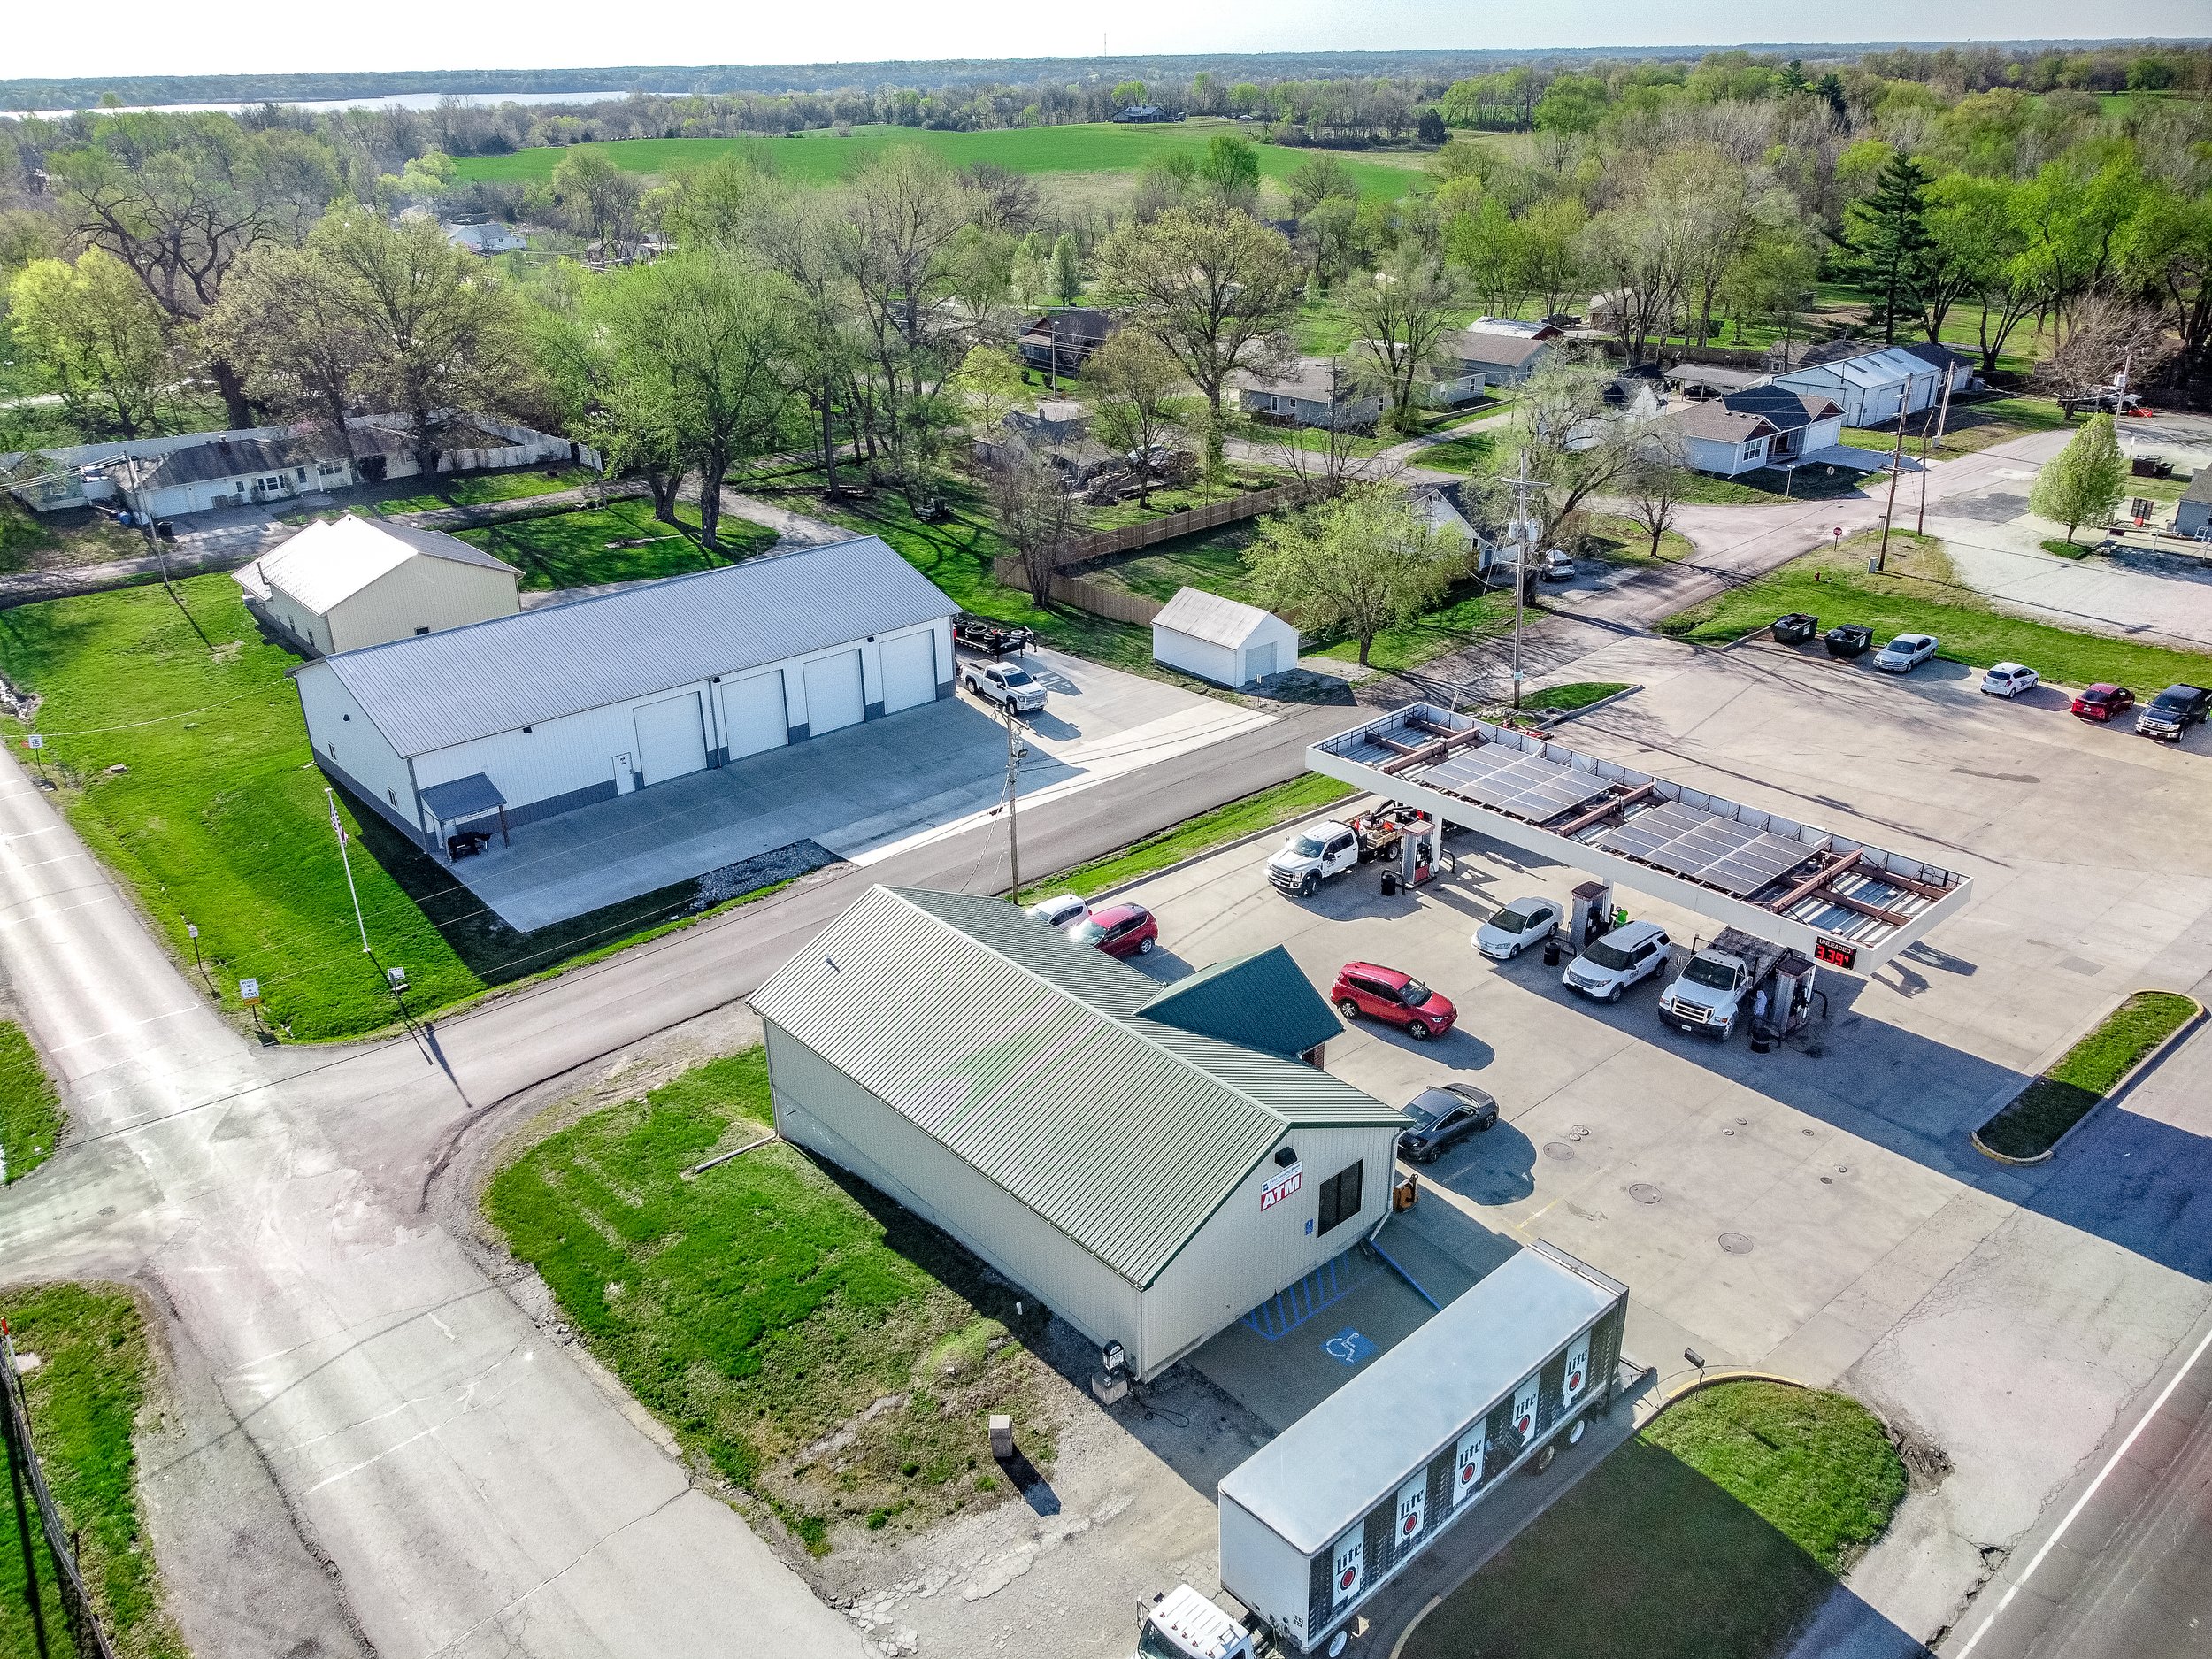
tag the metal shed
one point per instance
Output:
(560, 707)
(1149, 1181)
(1222, 640)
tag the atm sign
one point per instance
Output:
(1836, 953)
(1282, 1186)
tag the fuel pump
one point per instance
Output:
(1793, 993)
(1592, 917)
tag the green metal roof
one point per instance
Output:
(1262, 1002)
(1028, 1055)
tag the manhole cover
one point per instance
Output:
(1728, 1131)
(1735, 1243)
(1559, 1149)
(1644, 1193)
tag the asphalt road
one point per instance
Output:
(2122, 1567)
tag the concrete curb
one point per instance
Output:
(2126, 1081)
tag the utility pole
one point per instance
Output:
(18, 1456)
(1014, 751)
(1524, 533)
(339, 829)
(1943, 414)
(1896, 461)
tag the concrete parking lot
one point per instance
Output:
(864, 792)
(1817, 1213)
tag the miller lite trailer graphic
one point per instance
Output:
(1317, 1521)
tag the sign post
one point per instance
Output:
(338, 829)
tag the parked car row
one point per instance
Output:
(2173, 712)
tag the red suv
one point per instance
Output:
(1398, 999)
(1119, 930)
(2103, 702)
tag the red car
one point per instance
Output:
(2103, 702)
(1395, 998)
(1119, 930)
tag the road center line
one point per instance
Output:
(2082, 1502)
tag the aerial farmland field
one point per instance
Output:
(822, 156)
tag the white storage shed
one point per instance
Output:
(1151, 1162)
(535, 714)
(343, 584)
(1220, 640)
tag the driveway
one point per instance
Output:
(864, 793)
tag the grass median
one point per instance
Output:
(86, 1393)
(803, 1338)
(1916, 594)
(2032, 1123)
(30, 1106)
(1712, 1534)
(1303, 794)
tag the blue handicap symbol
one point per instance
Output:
(1350, 1347)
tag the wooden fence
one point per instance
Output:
(1112, 601)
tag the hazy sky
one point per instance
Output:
(125, 37)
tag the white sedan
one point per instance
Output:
(1521, 924)
(2009, 680)
(1905, 653)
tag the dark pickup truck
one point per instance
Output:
(993, 638)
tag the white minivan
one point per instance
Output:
(1609, 965)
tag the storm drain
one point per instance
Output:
(1735, 1243)
(1644, 1193)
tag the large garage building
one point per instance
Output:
(1152, 1162)
(524, 717)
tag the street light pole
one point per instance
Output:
(1525, 544)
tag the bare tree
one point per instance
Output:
(1576, 443)
(2106, 334)
(1036, 514)
(1399, 317)
(1653, 478)
(1138, 388)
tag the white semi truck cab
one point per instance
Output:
(1184, 1625)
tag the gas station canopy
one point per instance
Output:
(1847, 904)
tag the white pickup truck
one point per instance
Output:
(1715, 986)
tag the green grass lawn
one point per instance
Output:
(1578, 695)
(1834, 585)
(30, 1106)
(1471, 615)
(1471, 452)
(2059, 547)
(1711, 1535)
(2091, 1070)
(1212, 561)
(768, 1302)
(1767, 485)
(30, 541)
(475, 489)
(85, 1397)
(1194, 836)
(219, 817)
(620, 542)
(1619, 539)
(822, 158)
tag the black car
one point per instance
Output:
(1850, 639)
(1442, 1117)
(2173, 712)
(1796, 627)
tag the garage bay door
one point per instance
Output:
(752, 714)
(909, 671)
(670, 738)
(833, 694)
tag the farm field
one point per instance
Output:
(822, 158)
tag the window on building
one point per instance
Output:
(1751, 451)
(1340, 1195)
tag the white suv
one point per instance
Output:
(1610, 965)
(1007, 686)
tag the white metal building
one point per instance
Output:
(1152, 1162)
(1222, 640)
(343, 584)
(537, 713)
(1875, 385)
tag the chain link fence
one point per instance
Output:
(27, 1490)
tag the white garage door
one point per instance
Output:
(909, 671)
(670, 739)
(833, 694)
(1259, 661)
(752, 714)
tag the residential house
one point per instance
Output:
(2192, 515)
(485, 239)
(1876, 384)
(346, 584)
(1313, 392)
(1502, 358)
(1070, 336)
(1761, 426)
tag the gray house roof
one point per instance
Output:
(1501, 350)
(1029, 1057)
(434, 690)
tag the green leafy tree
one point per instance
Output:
(1430, 128)
(1067, 269)
(1491, 249)
(598, 199)
(1367, 561)
(1316, 179)
(1398, 318)
(1572, 104)
(287, 321)
(988, 383)
(1231, 169)
(980, 271)
(2083, 482)
(103, 343)
(1886, 233)
(1137, 387)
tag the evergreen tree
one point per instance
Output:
(1886, 234)
(1793, 80)
(1830, 87)
(2083, 482)
(1430, 129)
